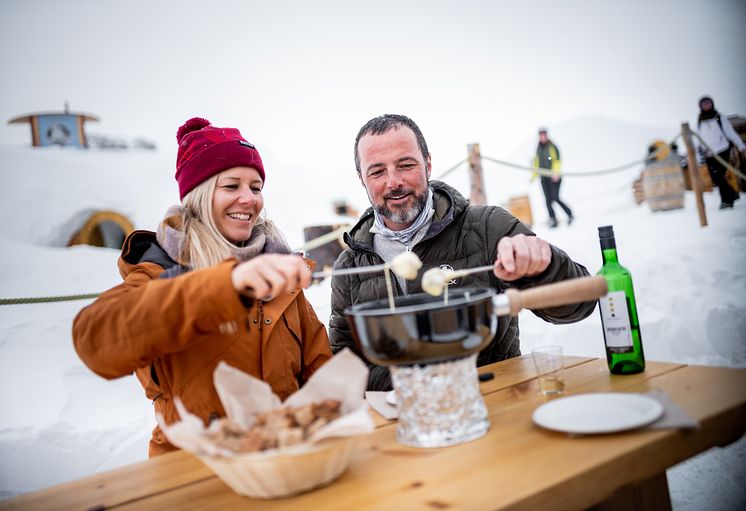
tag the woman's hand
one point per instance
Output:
(270, 275)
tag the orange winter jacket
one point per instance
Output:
(172, 332)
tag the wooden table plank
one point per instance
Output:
(518, 370)
(517, 465)
(173, 470)
(408, 478)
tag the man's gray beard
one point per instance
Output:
(406, 216)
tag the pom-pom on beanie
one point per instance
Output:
(205, 150)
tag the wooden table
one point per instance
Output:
(517, 465)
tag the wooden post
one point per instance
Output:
(477, 196)
(35, 135)
(686, 134)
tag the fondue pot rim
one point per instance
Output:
(464, 296)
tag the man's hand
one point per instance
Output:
(521, 256)
(269, 275)
(555, 177)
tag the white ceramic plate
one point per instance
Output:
(598, 413)
(391, 397)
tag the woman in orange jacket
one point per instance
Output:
(216, 282)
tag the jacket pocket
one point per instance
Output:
(293, 344)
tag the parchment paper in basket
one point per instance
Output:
(189, 433)
(344, 378)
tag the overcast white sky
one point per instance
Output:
(300, 78)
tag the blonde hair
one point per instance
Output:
(203, 245)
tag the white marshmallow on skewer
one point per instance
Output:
(435, 279)
(406, 265)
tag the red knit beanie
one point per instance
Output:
(205, 150)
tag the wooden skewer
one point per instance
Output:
(349, 271)
(468, 271)
(404, 265)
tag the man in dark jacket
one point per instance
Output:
(433, 220)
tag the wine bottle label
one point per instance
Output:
(615, 316)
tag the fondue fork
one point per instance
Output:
(467, 271)
(404, 265)
(381, 267)
(349, 271)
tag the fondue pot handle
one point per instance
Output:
(551, 295)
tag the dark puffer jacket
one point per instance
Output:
(461, 236)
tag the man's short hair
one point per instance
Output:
(384, 123)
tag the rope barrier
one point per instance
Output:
(549, 173)
(718, 158)
(310, 245)
(444, 174)
(611, 170)
(46, 299)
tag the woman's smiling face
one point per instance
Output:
(237, 202)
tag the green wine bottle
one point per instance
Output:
(619, 319)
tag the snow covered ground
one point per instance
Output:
(60, 421)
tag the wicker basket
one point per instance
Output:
(281, 474)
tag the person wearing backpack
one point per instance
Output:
(718, 133)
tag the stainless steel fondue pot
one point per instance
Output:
(423, 329)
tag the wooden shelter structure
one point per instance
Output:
(66, 128)
(102, 228)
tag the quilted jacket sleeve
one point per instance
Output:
(561, 267)
(146, 317)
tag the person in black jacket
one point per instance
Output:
(719, 135)
(548, 158)
(410, 212)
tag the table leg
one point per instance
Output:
(651, 494)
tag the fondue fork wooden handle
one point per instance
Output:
(579, 290)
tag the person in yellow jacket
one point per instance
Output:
(548, 157)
